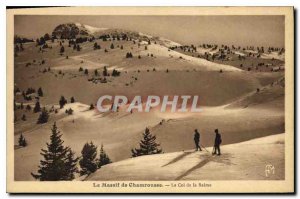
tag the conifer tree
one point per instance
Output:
(40, 92)
(17, 49)
(86, 72)
(59, 162)
(42, 41)
(21, 47)
(37, 107)
(95, 46)
(72, 100)
(71, 165)
(96, 72)
(28, 107)
(92, 107)
(44, 116)
(112, 46)
(16, 90)
(24, 117)
(22, 141)
(103, 159)
(62, 50)
(30, 91)
(88, 163)
(105, 73)
(37, 42)
(148, 145)
(62, 102)
(69, 111)
(129, 55)
(47, 37)
(115, 73)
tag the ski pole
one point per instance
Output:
(204, 148)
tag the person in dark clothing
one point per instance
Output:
(197, 140)
(218, 141)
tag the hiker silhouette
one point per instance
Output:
(197, 140)
(218, 141)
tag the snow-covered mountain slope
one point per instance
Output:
(271, 95)
(273, 55)
(245, 160)
(163, 51)
(71, 30)
(90, 29)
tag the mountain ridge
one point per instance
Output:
(73, 30)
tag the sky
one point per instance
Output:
(256, 30)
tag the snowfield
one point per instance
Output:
(202, 64)
(168, 43)
(91, 29)
(274, 55)
(241, 161)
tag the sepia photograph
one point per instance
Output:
(150, 99)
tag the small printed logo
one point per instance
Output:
(269, 170)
